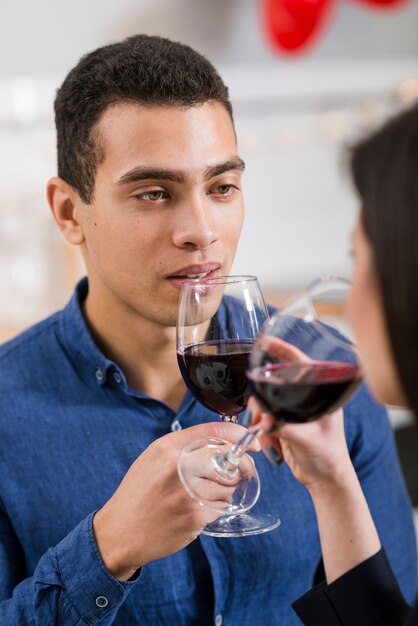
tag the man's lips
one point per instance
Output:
(193, 272)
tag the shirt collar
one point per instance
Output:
(90, 362)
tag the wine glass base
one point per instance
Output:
(241, 525)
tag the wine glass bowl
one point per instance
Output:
(218, 322)
(304, 364)
(215, 373)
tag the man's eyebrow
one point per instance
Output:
(151, 173)
(155, 173)
(233, 164)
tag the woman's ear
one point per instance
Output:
(65, 205)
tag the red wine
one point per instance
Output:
(298, 392)
(215, 373)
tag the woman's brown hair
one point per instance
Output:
(384, 168)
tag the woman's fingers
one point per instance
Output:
(283, 350)
(270, 443)
(272, 448)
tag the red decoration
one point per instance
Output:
(291, 25)
(382, 3)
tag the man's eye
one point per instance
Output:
(224, 190)
(152, 196)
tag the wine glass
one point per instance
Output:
(304, 363)
(219, 319)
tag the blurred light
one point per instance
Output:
(373, 112)
(408, 90)
(333, 123)
(287, 135)
(24, 101)
(23, 274)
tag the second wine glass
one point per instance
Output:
(304, 363)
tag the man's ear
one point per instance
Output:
(65, 205)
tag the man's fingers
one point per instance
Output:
(208, 491)
(199, 464)
(218, 430)
(221, 496)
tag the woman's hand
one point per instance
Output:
(317, 454)
(316, 451)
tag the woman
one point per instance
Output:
(360, 587)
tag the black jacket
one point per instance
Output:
(367, 595)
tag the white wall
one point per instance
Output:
(45, 37)
(294, 138)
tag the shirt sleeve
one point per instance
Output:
(368, 595)
(374, 455)
(70, 585)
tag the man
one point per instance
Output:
(95, 527)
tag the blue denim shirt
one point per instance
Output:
(70, 427)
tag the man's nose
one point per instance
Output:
(196, 227)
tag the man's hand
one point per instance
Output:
(151, 515)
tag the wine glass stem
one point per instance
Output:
(241, 447)
(229, 418)
(228, 463)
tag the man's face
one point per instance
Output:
(167, 205)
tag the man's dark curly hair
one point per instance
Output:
(142, 69)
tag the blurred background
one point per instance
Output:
(299, 98)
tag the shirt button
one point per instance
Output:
(101, 601)
(175, 425)
(117, 377)
(99, 374)
(218, 620)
